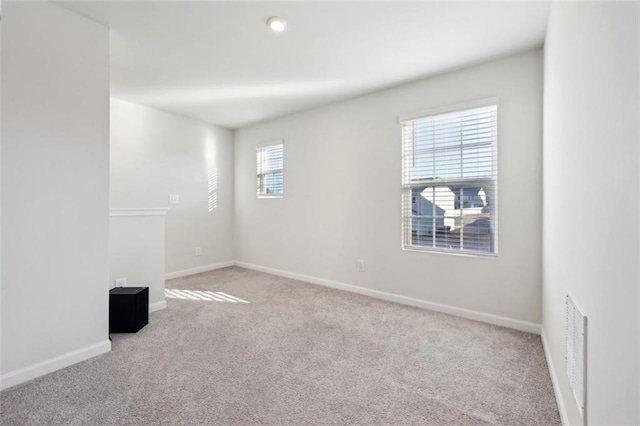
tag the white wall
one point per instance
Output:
(342, 196)
(55, 185)
(1, 31)
(154, 154)
(136, 251)
(591, 211)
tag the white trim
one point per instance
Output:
(157, 306)
(270, 143)
(554, 380)
(449, 109)
(138, 212)
(462, 253)
(49, 366)
(425, 304)
(270, 196)
(205, 268)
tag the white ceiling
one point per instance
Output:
(219, 62)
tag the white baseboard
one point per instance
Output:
(554, 380)
(425, 304)
(205, 268)
(157, 306)
(49, 366)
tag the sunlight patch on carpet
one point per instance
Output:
(209, 296)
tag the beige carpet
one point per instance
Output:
(296, 354)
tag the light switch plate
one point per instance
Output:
(174, 199)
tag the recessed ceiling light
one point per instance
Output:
(277, 24)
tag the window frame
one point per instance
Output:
(458, 182)
(260, 184)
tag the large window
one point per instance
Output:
(270, 160)
(449, 178)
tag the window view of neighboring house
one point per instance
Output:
(450, 181)
(270, 162)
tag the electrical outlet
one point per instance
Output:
(360, 265)
(198, 251)
(121, 282)
(174, 199)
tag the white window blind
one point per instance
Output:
(449, 178)
(270, 160)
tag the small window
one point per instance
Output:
(270, 160)
(450, 194)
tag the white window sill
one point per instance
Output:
(418, 249)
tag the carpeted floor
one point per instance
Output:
(296, 354)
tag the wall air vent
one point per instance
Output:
(577, 354)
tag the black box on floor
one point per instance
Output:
(128, 309)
